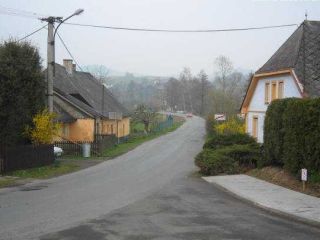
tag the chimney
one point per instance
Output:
(74, 67)
(67, 63)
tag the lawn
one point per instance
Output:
(56, 169)
(5, 181)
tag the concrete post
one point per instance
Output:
(50, 62)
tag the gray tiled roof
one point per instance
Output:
(84, 107)
(63, 116)
(301, 52)
(83, 89)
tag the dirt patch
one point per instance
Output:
(285, 179)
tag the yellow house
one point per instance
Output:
(85, 107)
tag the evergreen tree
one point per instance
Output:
(21, 89)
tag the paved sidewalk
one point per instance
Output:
(270, 196)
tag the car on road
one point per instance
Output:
(189, 115)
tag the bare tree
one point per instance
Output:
(229, 89)
(224, 69)
(100, 72)
(144, 115)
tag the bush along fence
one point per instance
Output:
(292, 135)
(25, 156)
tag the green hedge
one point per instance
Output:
(228, 160)
(221, 140)
(292, 134)
(273, 133)
(211, 162)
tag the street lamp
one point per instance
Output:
(51, 52)
(59, 19)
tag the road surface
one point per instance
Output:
(148, 193)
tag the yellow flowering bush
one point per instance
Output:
(231, 126)
(45, 128)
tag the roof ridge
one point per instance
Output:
(273, 57)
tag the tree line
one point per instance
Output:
(190, 93)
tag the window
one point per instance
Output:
(255, 127)
(267, 93)
(280, 89)
(274, 91)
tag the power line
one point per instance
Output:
(19, 13)
(31, 33)
(181, 31)
(65, 46)
(28, 14)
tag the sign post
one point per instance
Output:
(304, 178)
(220, 117)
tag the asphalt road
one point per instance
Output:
(148, 193)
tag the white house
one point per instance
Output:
(293, 71)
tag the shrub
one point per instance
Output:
(228, 160)
(302, 135)
(210, 125)
(212, 163)
(219, 141)
(292, 134)
(274, 133)
(45, 129)
(231, 126)
(246, 155)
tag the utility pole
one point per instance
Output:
(50, 63)
(51, 53)
(50, 59)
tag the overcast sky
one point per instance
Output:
(162, 53)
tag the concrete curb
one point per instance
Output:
(276, 212)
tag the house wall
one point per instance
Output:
(110, 127)
(258, 107)
(80, 130)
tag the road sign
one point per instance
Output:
(220, 117)
(304, 177)
(304, 174)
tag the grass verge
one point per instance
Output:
(283, 178)
(120, 149)
(6, 182)
(56, 169)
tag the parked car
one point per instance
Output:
(189, 114)
(57, 151)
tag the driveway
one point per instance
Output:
(148, 193)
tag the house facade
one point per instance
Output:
(85, 106)
(293, 71)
